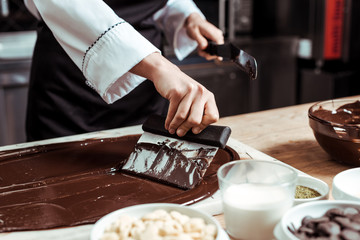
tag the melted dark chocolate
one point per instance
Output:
(168, 164)
(76, 183)
(251, 70)
(346, 114)
(337, 132)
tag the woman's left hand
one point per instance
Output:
(201, 31)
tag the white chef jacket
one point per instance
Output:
(104, 46)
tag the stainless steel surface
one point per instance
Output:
(14, 79)
(235, 16)
(4, 8)
(231, 20)
(17, 45)
(16, 50)
(222, 15)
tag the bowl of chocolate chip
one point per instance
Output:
(336, 127)
(325, 219)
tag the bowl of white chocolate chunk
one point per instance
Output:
(158, 221)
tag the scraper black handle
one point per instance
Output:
(212, 135)
(223, 50)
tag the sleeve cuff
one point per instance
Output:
(113, 54)
(182, 43)
(172, 20)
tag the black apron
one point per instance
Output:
(59, 101)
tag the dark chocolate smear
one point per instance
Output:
(74, 183)
(169, 165)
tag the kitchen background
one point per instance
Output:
(307, 50)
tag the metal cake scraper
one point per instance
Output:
(229, 51)
(176, 161)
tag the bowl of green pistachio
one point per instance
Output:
(310, 189)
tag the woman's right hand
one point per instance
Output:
(191, 105)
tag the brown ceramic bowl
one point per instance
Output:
(336, 126)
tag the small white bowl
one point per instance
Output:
(346, 185)
(314, 183)
(294, 216)
(139, 211)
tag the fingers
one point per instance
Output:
(194, 33)
(201, 31)
(180, 104)
(195, 111)
(191, 105)
(212, 33)
(190, 111)
(173, 105)
(211, 115)
(208, 57)
(179, 110)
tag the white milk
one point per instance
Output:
(252, 210)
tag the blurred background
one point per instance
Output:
(307, 50)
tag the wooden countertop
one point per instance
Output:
(282, 133)
(285, 135)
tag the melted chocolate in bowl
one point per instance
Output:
(76, 183)
(337, 130)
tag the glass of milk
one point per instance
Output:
(255, 195)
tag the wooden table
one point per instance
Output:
(285, 134)
(282, 133)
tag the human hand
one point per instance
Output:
(201, 31)
(191, 106)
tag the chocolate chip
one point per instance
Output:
(335, 224)
(348, 234)
(301, 235)
(306, 230)
(350, 211)
(334, 237)
(356, 218)
(320, 220)
(306, 220)
(355, 226)
(329, 228)
(343, 221)
(333, 212)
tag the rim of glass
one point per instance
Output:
(294, 173)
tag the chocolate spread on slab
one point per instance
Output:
(75, 183)
(337, 132)
(180, 168)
